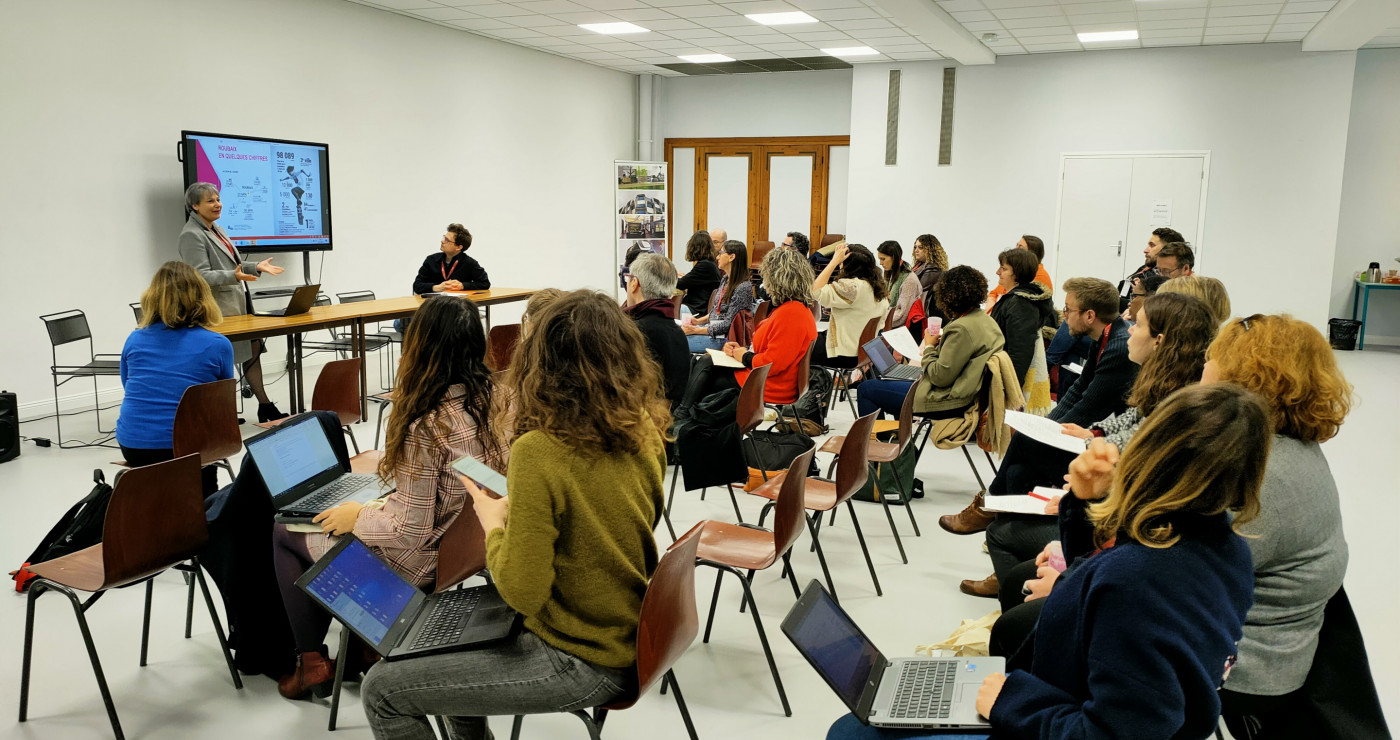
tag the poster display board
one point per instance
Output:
(639, 204)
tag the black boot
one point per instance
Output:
(269, 412)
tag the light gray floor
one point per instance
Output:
(185, 692)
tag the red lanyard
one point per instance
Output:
(446, 273)
(227, 244)
(1103, 343)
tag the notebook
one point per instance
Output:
(395, 618)
(303, 474)
(911, 693)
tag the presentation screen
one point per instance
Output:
(276, 194)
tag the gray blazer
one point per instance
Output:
(200, 249)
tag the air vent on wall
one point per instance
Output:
(892, 121)
(945, 127)
(752, 66)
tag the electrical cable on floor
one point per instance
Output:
(70, 413)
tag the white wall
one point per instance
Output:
(426, 126)
(1370, 216)
(772, 104)
(1275, 120)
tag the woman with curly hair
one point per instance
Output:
(442, 412)
(953, 356)
(1169, 342)
(855, 296)
(1299, 549)
(572, 547)
(930, 262)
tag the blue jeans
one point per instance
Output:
(850, 728)
(521, 675)
(881, 395)
(701, 342)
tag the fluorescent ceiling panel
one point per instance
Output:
(1098, 36)
(705, 58)
(614, 29)
(851, 51)
(781, 19)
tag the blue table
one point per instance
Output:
(1362, 294)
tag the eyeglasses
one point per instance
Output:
(1169, 273)
(1067, 309)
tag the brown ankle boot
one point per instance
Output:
(986, 587)
(315, 674)
(971, 520)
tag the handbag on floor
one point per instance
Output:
(773, 451)
(883, 480)
(79, 528)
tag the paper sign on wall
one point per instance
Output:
(640, 204)
(1161, 213)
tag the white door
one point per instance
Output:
(1093, 219)
(682, 217)
(727, 206)
(1109, 205)
(836, 182)
(789, 195)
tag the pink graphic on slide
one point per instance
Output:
(204, 169)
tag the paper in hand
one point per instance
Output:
(1016, 504)
(1044, 431)
(722, 360)
(901, 341)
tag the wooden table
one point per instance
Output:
(354, 316)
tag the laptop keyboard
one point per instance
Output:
(449, 617)
(904, 372)
(334, 491)
(925, 690)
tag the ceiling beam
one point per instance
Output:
(1351, 24)
(932, 24)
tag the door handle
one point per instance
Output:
(1119, 246)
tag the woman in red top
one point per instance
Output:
(781, 341)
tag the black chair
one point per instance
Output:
(343, 346)
(136, 309)
(66, 327)
(391, 334)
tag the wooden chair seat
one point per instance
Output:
(884, 452)
(818, 495)
(738, 547)
(83, 570)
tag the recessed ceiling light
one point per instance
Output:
(851, 51)
(613, 29)
(1089, 38)
(705, 58)
(781, 19)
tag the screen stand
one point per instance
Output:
(306, 268)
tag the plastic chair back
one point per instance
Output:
(676, 303)
(830, 239)
(338, 390)
(760, 250)
(136, 309)
(461, 551)
(206, 422)
(906, 417)
(500, 345)
(155, 520)
(760, 312)
(868, 333)
(852, 469)
(669, 622)
(67, 326)
(790, 512)
(749, 413)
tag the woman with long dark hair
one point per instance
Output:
(574, 556)
(442, 412)
(904, 293)
(704, 275)
(734, 294)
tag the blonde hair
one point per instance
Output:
(179, 298)
(1208, 289)
(787, 276)
(538, 302)
(1290, 364)
(1202, 453)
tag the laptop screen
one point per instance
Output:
(836, 648)
(879, 354)
(292, 454)
(362, 591)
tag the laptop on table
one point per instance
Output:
(302, 300)
(395, 618)
(907, 693)
(303, 474)
(882, 360)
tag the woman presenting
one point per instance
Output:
(206, 248)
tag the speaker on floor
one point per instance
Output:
(9, 427)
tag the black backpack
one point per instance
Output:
(79, 528)
(812, 405)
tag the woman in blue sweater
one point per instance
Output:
(1138, 636)
(172, 350)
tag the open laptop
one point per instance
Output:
(302, 472)
(396, 619)
(911, 693)
(302, 300)
(883, 361)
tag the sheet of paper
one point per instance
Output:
(723, 360)
(1161, 213)
(1075, 368)
(903, 342)
(1043, 431)
(1014, 504)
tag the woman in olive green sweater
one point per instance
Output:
(572, 547)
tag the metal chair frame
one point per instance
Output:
(66, 327)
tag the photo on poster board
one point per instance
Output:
(640, 205)
(628, 247)
(631, 202)
(641, 176)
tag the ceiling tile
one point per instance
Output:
(1316, 6)
(997, 4)
(441, 14)
(518, 33)
(1196, 24)
(494, 10)
(611, 4)
(960, 6)
(759, 6)
(816, 36)
(592, 16)
(671, 24)
(1084, 20)
(1292, 27)
(1172, 15)
(861, 25)
(694, 34)
(980, 26)
(406, 4)
(844, 14)
(1044, 11)
(552, 7)
(1239, 10)
(1116, 6)
(1248, 38)
(1286, 36)
(754, 31)
(724, 21)
(1173, 41)
(1040, 48)
(1012, 24)
(1035, 35)
(552, 41)
(695, 12)
(971, 16)
(789, 48)
(1255, 20)
(1287, 17)
(534, 21)
(479, 24)
(642, 15)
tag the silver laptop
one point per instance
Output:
(396, 619)
(302, 300)
(303, 474)
(883, 361)
(911, 693)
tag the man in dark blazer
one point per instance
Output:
(1091, 309)
(450, 268)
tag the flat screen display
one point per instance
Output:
(276, 194)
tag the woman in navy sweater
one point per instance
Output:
(1137, 638)
(172, 350)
